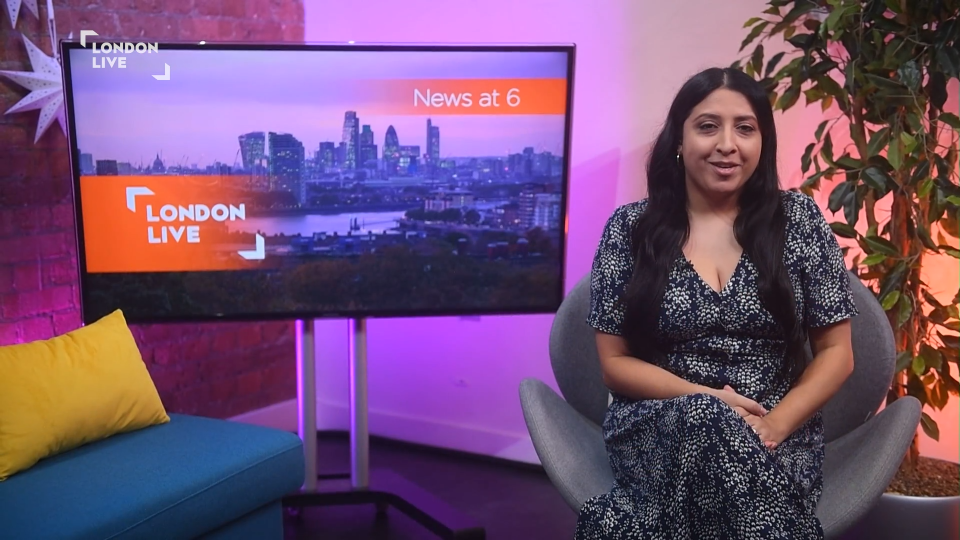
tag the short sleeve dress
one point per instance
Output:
(691, 467)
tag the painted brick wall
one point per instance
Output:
(217, 370)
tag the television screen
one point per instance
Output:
(230, 182)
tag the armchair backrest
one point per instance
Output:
(573, 355)
(874, 361)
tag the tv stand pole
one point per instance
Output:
(381, 488)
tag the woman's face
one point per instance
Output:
(721, 144)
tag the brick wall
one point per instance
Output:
(217, 370)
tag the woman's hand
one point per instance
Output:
(743, 405)
(767, 431)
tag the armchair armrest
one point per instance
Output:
(859, 466)
(570, 447)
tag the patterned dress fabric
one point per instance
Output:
(690, 467)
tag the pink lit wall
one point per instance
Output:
(453, 382)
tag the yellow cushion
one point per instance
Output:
(60, 393)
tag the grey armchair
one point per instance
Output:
(864, 448)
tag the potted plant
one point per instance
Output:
(879, 71)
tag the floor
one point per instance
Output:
(511, 501)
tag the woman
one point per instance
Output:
(703, 297)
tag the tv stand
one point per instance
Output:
(382, 488)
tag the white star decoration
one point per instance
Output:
(46, 88)
(13, 9)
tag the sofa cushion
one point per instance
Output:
(176, 480)
(57, 394)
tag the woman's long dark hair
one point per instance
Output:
(662, 230)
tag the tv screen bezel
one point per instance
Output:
(66, 46)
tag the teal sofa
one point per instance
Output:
(190, 478)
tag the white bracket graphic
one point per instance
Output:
(132, 193)
(257, 254)
(83, 36)
(166, 74)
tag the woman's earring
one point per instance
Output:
(678, 159)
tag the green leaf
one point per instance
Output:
(951, 224)
(909, 142)
(937, 89)
(848, 163)
(813, 180)
(824, 67)
(931, 299)
(924, 235)
(904, 310)
(820, 128)
(893, 5)
(826, 103)
(950, 342)
(883, 83)
(752, 21)
(940, 394)
(799, 9)
(788, 99)
(919, 366)
(801, 41)
(753, 34)
(953, 252)
(854, 202)
(930, 427)
(813, 95)
(925, 187)
(890, 300)
(931, 357)
(757, 58)
(873, 258)
(830, 24)
(954, 200)
(950, 119)
(876, 179)
(915, 121)
(904, 360)
(945, 60)
(838, 197)
(878, 141)
(882, 245)
(826, 151)
(805, 160)
(921, 172)
(894, 155)
(831, 87)
(843, 229)
(773, 63)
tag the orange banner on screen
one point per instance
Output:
(472, 96)
(167, 224)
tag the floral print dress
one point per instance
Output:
(690, 467)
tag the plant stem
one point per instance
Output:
(859, 135)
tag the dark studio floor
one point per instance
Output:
(512, 501)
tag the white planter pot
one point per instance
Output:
(899, 517)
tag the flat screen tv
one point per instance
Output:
(238, 182)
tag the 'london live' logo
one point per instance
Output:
(114, 55)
